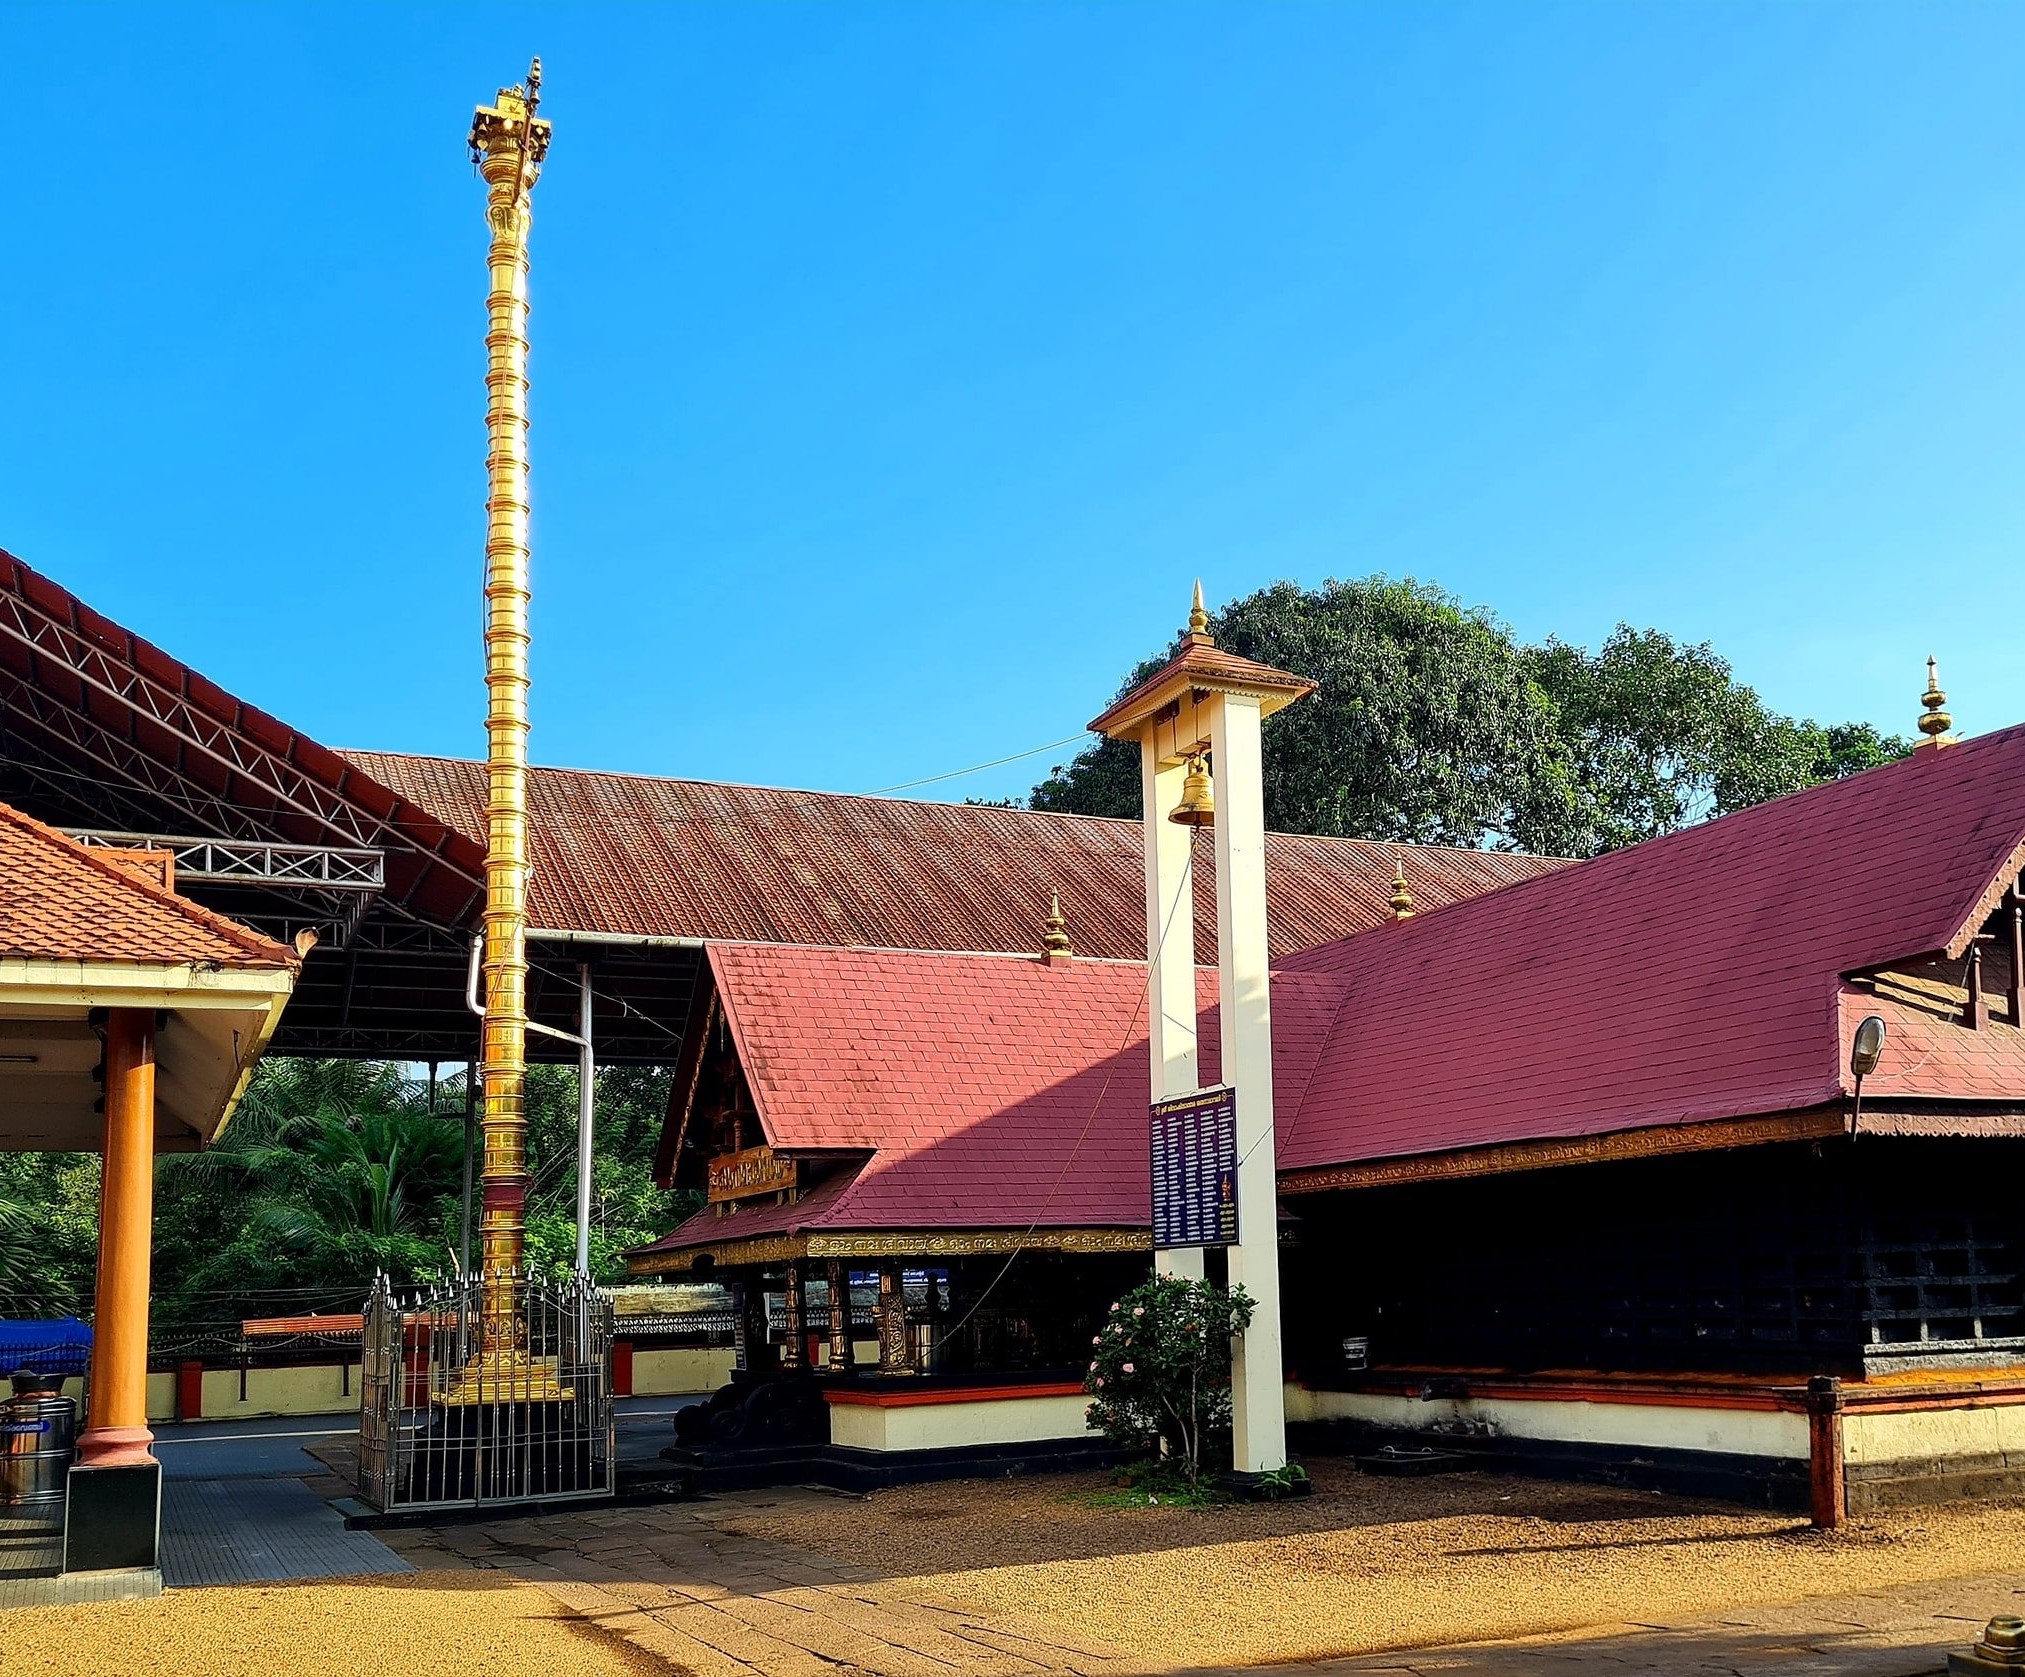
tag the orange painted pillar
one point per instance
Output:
(117, 1434)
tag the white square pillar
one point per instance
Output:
(1258, 1398)
(1170, 952)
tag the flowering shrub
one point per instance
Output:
(1160, 1369)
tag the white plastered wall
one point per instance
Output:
(1735, 1432)
(940, 1426)
(1934, 1435)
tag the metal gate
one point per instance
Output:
(452, 1415)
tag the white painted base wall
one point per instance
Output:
(1738, 1432)
(941, 1426)
(1933, 1435)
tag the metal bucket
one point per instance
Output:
(38, 1442)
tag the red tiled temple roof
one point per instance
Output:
(642, 856)
(1693, 977)
(63, 901)
(990, 1092)
(1716, 973)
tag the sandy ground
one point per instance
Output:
(1368, 1564)
(450, 1624)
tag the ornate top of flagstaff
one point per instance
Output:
(509, 129)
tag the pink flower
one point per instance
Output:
(1099, 1383)
(1128, 1368)
(1096, 1339)
(1139, 1310)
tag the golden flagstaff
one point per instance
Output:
(508, 143)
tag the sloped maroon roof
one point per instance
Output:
(991, 1092)
(62, 901)
(644, 856)
(1697, 976)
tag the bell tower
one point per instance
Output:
(1198, 725)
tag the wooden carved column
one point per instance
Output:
(794, 1344)
(841, 1355)
(893, 1357)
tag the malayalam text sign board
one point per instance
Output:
(1195, 1169)
(757, 1170)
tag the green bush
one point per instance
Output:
(1160, 1368)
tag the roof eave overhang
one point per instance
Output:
(1182, 691)
(1503, 1158)
(779, 1247)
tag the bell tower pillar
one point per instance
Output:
(1200, 717)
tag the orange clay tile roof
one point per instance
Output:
(61, 901)
(643, 856)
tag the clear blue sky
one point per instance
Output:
(897, 367)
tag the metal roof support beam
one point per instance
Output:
(217, 740)
(319, 867)
(130, 767)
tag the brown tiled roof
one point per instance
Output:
(1207, 666)
(647, 857)
(61, 901)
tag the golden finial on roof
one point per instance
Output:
(1198, 620)
(1936, 722)
(1055, 944)
(1402, 893)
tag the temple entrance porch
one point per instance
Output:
(864, 1371)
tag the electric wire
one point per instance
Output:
(976, 768)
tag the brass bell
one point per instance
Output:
(1197, 807)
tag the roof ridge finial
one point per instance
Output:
(1198, 620)
(1055, 944)
(1935, 722)
(1402, 893)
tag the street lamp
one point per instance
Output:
(1865, 1050)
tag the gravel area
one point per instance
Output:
(449, 1624)
(1368, 1564)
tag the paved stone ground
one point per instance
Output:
(677, 1585)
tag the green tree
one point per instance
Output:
(48, 1232)
(1426, 725)
(339, 1170)
(1662, 735)
(1431, 724)
(627, 1210)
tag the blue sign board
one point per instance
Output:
(1195, 1169)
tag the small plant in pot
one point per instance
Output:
(1160, 1370)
